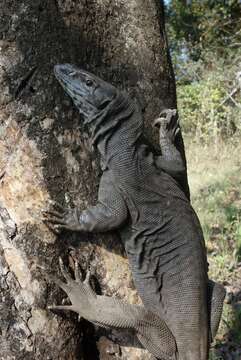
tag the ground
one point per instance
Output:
(215, 182)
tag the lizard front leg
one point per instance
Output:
(109, 213)
(111, 312)
(170, 160)
(169, 128)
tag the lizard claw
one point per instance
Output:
(77, 274)
(165, 115)
(54, 213)
(53, 228)
(64, 272)
(79, 292)
(56, 205)
(58, 282)
(168, 112)
(53, 217)
(87, 277)
(168, 124)
(61, 219)
(60, 307)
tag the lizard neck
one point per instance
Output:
(117, 133)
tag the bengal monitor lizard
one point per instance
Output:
(140, 195)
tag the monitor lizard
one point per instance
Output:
(141, 195)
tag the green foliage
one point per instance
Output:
(214, 175)
(205, 107)
(219, 209)
(198, 25)
(205, 39)
(238, 237)
(232, 320)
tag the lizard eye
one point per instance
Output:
(89, 82)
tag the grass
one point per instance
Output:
(215, 183)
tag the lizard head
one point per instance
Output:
(89, 93)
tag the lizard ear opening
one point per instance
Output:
(105, 103)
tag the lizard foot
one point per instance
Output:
(58, 218)
(112, 312)
(168, 124)
(80, 293)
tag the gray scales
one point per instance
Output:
(141, 194)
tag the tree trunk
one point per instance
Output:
(45, 154)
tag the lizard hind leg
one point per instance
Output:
(112, 312)
(155, 336)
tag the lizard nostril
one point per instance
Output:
(73, 73)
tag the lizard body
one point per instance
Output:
(141, 195)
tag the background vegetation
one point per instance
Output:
(205, 42)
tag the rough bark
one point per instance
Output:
(45, 154)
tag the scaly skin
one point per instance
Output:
(141, 195)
